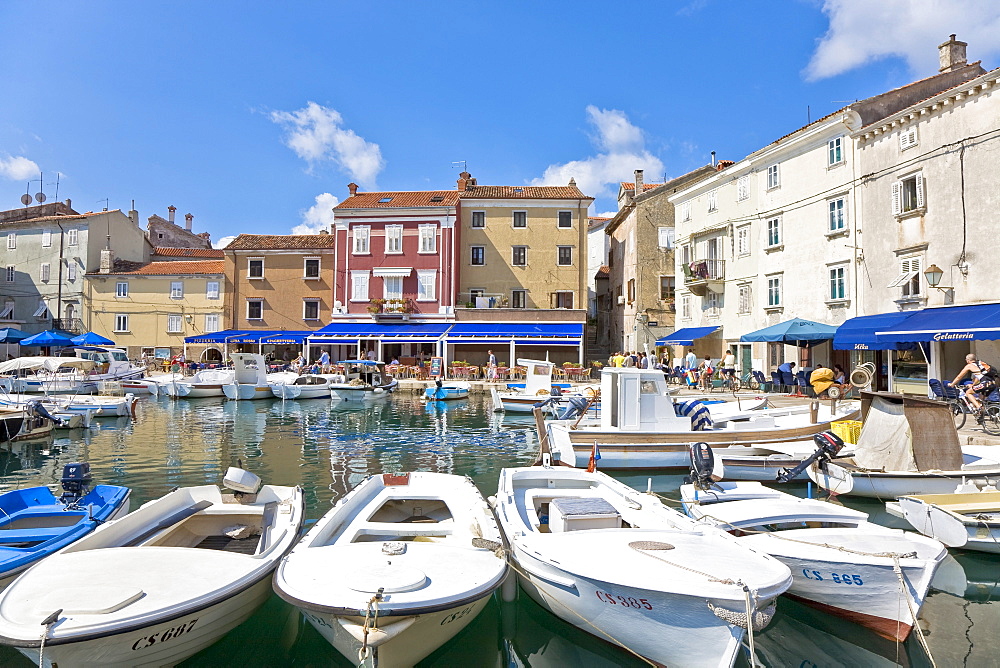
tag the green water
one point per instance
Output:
(328, 448)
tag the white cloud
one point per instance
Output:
(318, 217)
(862, 31)
(316, 134)
(18, 168)
(622, 150)
(223, 242)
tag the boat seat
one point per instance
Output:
(29, 535)
(168, 522)
(960, 508)
(401, 529)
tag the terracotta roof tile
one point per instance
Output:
(604, 271)
(523, 192)
(645, 186)
(169, 267)
(400, 200)
(61, 217)
(281, 242)
(188, 252)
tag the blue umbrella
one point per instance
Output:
(91, 339)
(49, 337)
(796, 332)
(12, 335)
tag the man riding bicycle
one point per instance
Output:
(983, 380)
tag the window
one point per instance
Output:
(361, 234)
(121, 290)
(475, 293)
(908, 279)
(773, 232)
(121, 322)
(837, 222)
(359, 286)
(565, 256)
(713, 200)
(392, 287)
(772, 177)
(11, 241)
(630, 291)
(72, 237)
(713, 303)
(44, 270)
(686, 253)
(563, 299)
(71, 271)
(665, 237)
(211, 322)
(838, 283)
(520, 219)
(743, 188)
(519, 256)
(11, 274)
(667, 288)
(686, 211)
(565, 219)
(310, 270)
(428, 238)
(743, 240)
(907, 139)
(834, 149)
(255, 267)
(310, 309)
(686, 307)
(478, 256)
(773, 291)
(46, 238)
(744, 303)
(519, 298)
(42, 311)
(478, 219)
(393, 238)
(8, 311)
(177, 289)
(255, 309)
(908, 194)
(212, 290)
(175, 324)
(426, 284)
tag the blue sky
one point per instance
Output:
(254, 117)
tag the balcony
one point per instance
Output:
(71, 325)
(389, 310)
(703, 276)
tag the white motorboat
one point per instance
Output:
(624, 567)
(308, 386)
(158, 585)
(968, 518)
(640, 427)
(539, 388)
(249, 377)
(98, 405)
(397, 567)
(363, 379)
(48, 374)
(908, 446)
(111, 364)
(447, 390)
(205, 383)
(841, 563)
(150, 384)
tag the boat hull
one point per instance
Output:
(892, 485)
(194, 391)
(291, 391)
(358, 393)
(246, 392)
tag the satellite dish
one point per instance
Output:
(25, 199)
(40, 197)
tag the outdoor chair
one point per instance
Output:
(788, 381)
(762, 381)
(942, 391)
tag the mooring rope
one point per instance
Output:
(898, 570)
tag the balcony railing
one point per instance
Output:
(71, 325)
(705, 270)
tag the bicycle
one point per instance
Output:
(731, 381)
(750, 381)
(987, 415)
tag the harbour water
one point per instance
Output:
(328, 448)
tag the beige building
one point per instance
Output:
(523, 246)
(150, 308)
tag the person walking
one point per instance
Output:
(691, 360)
(491, 366)
(324, 362)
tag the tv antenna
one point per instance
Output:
(56, 184)
(105, 200)
(465, 165)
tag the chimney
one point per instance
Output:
(133, 215)
(107, 261)
(572, 182)
(638, 183)
(69, 203)
(171, 210)
(952, 55)
(713, 158)
(353, 188)
(464, 181)
(187, 221)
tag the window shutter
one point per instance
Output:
(920, 190)
(897, 198)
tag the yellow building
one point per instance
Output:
(150, 308)
(523, 246)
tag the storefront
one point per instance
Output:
(687, 337)
(857, 337)
(558, 342)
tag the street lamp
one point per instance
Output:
(934, 274)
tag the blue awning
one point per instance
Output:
(859, 333)
(795, 332)
(974, 322)
(686, 336)
(521, 333)
(352, 331)
(267, 336)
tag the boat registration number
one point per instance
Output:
(164, 636)
(456, 616)
(838, 578)
(627, 602)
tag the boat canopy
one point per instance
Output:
(46, 363)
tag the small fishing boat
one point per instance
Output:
(159, 584)
(110, 364)
(48, 374)
(249, 377)
(840, 562)
(150, 384)
(26, 421)
(36, 523)
(397, 567)
(968, 518)
(446, 390)
(363, 379)
(99, 405)
(308, 386)
(205, 383)
(624, 567)
(538, 388)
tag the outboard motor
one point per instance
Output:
(75, 481)
(702, 473)
(577, 406)
(556, 391)
(36, 408)
(828, 445)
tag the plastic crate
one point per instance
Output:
(847, 430)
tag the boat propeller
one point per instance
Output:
(828, 445)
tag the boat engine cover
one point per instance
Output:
(240, 480)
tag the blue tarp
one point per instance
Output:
(794, 332)
(349, 332)
(974, 322)
(686, 336)
(859, 333)
(521, 333)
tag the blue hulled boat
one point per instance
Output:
(445, 390)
